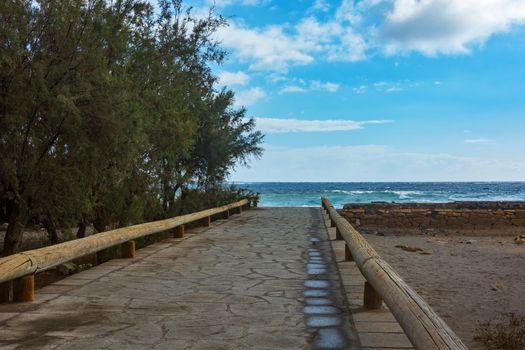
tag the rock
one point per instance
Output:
(519, 239)
(83, 267)
(67, 268)
(409, 249)
(470, 241)
(459, 217)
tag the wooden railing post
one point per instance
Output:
(24, 289)
(5, 291)
(226, 214)
(179, 232)
(338, 235)
(348, 254)
(206, 221)
(371, 298)
(128, 250)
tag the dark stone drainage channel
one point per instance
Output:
(324, 302)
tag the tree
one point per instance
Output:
(108, 112)
(226, 137)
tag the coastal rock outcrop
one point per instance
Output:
(469, 218)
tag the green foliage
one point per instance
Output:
(109, 113)
(197, 199)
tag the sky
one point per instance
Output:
(379, 90)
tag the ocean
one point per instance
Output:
(308, 194)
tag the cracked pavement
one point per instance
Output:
(266, 279)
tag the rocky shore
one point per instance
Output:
(464, 218)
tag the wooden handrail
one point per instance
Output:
(37, 260)
(425, 329)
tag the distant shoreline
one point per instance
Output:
(375, 182)
(308, 194)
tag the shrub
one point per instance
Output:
(506, 332)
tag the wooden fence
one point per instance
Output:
(425, 329)
(22, 267)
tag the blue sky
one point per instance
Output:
(379, 90)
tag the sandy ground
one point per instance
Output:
(465, 279)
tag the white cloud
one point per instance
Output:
(301, 86)
(276, 77)
(320, 5)
(290, 89)
(265, 49)
(278, 47)
(389, 86)
(394, 88)
(385, 86)
(360, 89)
(330, 87)
(334, 40)
(353, 29)
(347, 12)
(249, 97)
(278, 126)
(225, 3)
(477, 141)
(375, 163)
(446, 26)
(352, 48)
(233, 78)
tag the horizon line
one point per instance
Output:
(417, 181)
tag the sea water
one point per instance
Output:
(308, 194)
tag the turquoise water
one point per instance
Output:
(308, 194)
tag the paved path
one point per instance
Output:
(266, 279)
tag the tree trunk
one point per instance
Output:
(99, 224)
(81, 233)
(172, 207)
(51, 229)
(166, 197)
(13, 235)
(12, 240)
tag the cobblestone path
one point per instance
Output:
(265, 279)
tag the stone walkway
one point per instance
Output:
(266, 279)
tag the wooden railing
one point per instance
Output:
(425, 329)
(22, 267)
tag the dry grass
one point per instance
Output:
(506, 332)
